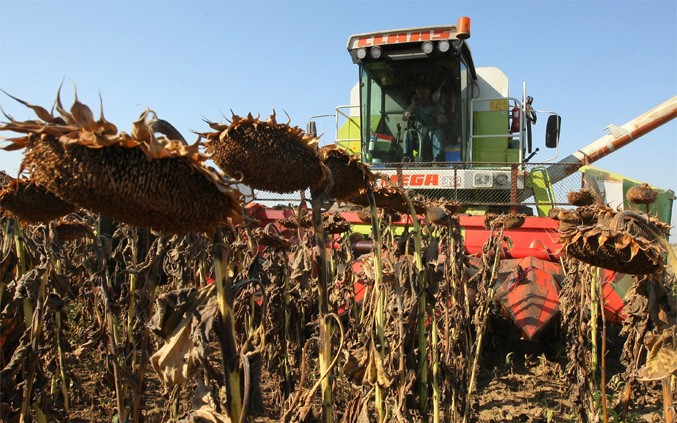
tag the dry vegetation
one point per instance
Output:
(159, 316)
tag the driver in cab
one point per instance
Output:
(429, 116)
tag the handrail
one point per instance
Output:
(519, 135)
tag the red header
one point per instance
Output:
(398, 37)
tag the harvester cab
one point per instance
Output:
(483, 137)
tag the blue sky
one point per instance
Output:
(595, 63)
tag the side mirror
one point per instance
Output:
(552, 131)
(311, 129)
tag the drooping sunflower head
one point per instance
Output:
(69, 230)
(441, 211)
(583, 197)
(136, 179)
(349, 175)
(387, 197)
(31, 202)
(505, 221)
(641, 194)
(266, 155)
(626, 242)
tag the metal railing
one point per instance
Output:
(511, 185)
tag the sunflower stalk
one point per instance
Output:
(323, 299)
(133, 279)
(595, 279)
(62, 370)
(21, 270)
(435, 372)
(422, 307)
(139, 367)
(486, 307)
(602, 383)
(229, 352)
(111, 327)
(131, 313)
(33, 358)
(379, 320)
(452, 276)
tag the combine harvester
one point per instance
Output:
(485, 161)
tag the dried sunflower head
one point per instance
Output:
(441, 211)
(349, 175)
(513, 221)
(334, 223)
(437, 216)
(31, 202)
(505, 221)
(387, 197)
(266, 155)
(364, 214)
(641, 194)
(270, 237)
(131, 178)
(66, 230)
(584, 197)
(294, 222)
(624, 242)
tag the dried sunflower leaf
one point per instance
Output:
(83, 115)
(184, 318)
(59, 107)
(41, 112)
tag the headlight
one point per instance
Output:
(427, 47)
(482, 180)
(500, 178)
(375, 52)
(443, 46)
(361, 53)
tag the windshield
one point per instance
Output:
(387, 89)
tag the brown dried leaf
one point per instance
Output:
(184, 318)
(622, 241)
(105, 127)
(140, 129)
(59, 107)
(661, 361)
(41, 112)
(83, 115)
(156, 150)
(15, 143)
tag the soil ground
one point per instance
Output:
(520, 381)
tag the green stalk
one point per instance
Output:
(287, 319)
(451, 333)
(21, 270)
(33, 357)
(229, 352)
(422, 306)
(436, 381)
(64, 381)
(113, 337)
(483, 324)
(325, 324)
(595, 276)
(603, 358)
(379, 319)
(20, 253)
(131, 317)
(133, 279)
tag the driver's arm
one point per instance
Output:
(411, 109)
